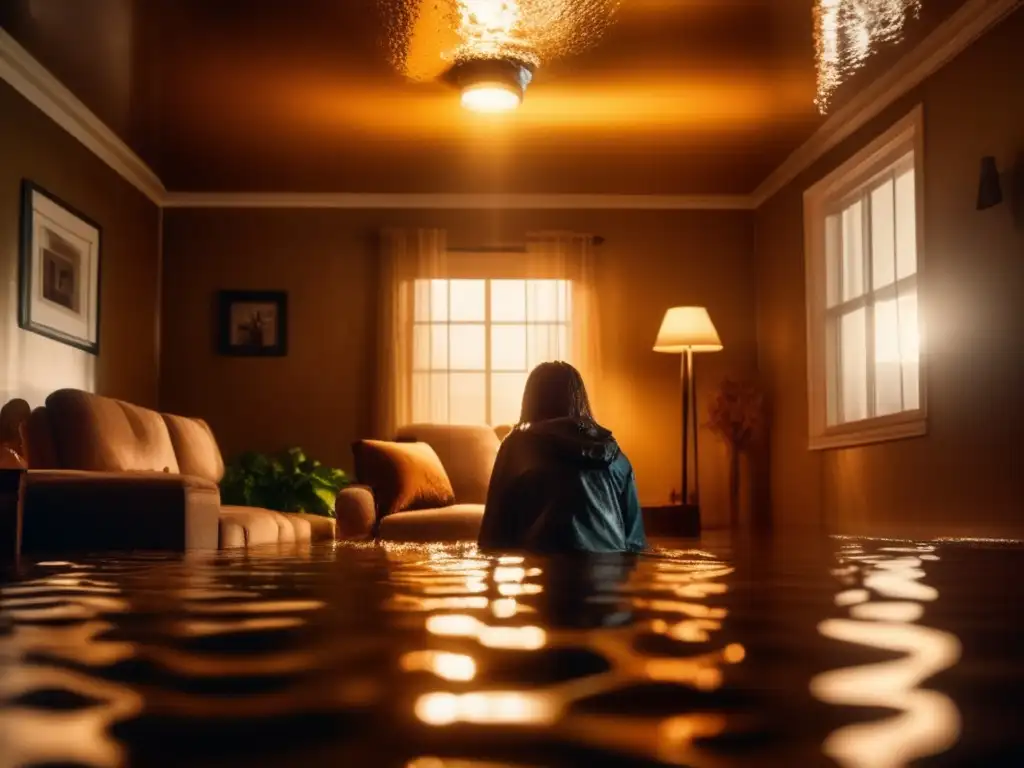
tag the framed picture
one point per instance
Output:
(253, 323)
(59, 275)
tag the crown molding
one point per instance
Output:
(459, 201)
(33, 81)
(954, 35)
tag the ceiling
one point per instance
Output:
(679, 97)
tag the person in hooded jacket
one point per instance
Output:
(560, 481)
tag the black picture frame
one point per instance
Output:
(27, 314)
(231, 303)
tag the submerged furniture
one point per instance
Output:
(106, 474)
(467, 453)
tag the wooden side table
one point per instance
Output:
(672, 521)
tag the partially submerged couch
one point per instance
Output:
(467, 454)
(106, 474)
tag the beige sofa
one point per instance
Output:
(467, 454)
(105, 474)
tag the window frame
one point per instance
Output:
(851, 181)
(488, 324)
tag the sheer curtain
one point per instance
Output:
(571, 257)
(406, 256)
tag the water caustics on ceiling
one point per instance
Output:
(847, 32)
(427, 38)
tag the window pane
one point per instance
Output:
(438, 300)
(508, 348)
(546, 341)
(910, 350)
(468, 398)
(542, 300)
(883, 235)
(466, 348)
(430, 346)
(506, 397)
(420, 347)
(906, 225)
(430, 398)
(833, 256)
(508, 301)
(853, 375)
(888, 368)
(439, 346)
(467, 300)
(853, 251)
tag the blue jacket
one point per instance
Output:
(562, 486)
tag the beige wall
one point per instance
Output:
(319, 395)
(967, 475)
(33, 146)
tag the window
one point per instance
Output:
(475, 342)
(863, 247)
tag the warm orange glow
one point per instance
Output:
(687, 328)
(485, 708)
(490, 98)
(457, 667)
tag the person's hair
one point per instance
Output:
(555, 391)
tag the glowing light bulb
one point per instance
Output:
(490, 98)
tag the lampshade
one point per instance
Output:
(687, 328)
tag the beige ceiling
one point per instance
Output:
(679, 97)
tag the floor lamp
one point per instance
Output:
(686, 330)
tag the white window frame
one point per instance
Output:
(859, 173)
(487, 371)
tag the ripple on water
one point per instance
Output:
(436, 655)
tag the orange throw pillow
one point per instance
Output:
(403, 476)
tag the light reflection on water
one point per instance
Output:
(883, 615)
(439, 656)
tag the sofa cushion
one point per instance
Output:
(404, 476)
(195, 447)
(467, 453)
(101, 434)
(456, 523)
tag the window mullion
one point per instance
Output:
(896, 288)
(836, 334)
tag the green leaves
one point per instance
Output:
(287, 482)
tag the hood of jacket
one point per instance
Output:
(587, 442)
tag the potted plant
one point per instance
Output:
(736, 414)
(287, 482)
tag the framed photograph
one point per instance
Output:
(253, 323)
(59, 275)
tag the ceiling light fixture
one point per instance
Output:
(489, 49)
(491, 85)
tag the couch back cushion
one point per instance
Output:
(100, 434)
(403, 476)
(467, 453)
(195, 447)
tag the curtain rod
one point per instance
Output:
(596, 240)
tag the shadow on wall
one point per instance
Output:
(33, 366)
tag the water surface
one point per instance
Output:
(826, 652)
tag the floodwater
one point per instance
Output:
(826, 652)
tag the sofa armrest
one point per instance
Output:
(66, 510)
(356, 512)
